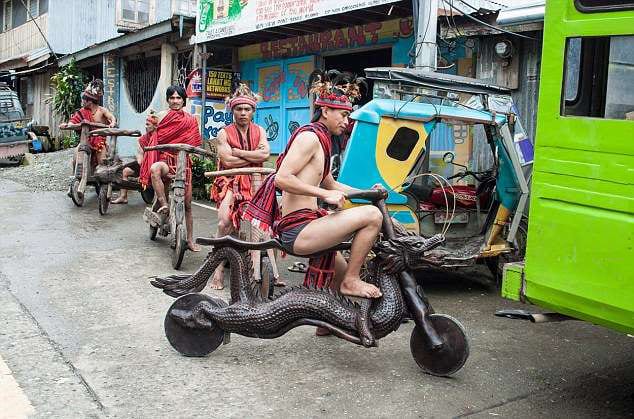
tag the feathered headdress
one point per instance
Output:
(336, 89)
(243, 96)
(94, 90)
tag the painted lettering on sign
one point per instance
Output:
(352, 37)
(111, 83)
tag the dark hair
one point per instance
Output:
(90, 99)
(176, 89)
(316, 114)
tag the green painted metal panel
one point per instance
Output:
(580, 253)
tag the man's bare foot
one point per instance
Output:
(355, 287)
(120, 200)
(218, 282)
(164, 210)
(322, 331)
(193, 246)
(277, 282)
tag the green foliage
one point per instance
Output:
(200, 183)
(68, 84)
(69, 141)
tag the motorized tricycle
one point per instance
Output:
(14, 138)
(422, 128)
(196, 324)
(109, 174)
(174, 222)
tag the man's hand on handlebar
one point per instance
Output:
(334, 199)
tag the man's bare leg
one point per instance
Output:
(340, 270)
(123, 193)
(158, 170)
(224, 228)
(365, 223)
(189, 221)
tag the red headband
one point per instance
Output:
(335, 101)
(241, 100)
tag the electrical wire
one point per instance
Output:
(497, 28)
(39, 29)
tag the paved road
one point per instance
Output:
(81, 336)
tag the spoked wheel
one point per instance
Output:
(191, 341)
(78, 198)
(104, 201)
(148, 195)
(180, 236)
(448, 359)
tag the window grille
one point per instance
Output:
(142, 76)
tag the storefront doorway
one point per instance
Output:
(357, 62)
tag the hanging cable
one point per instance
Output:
(39, 29)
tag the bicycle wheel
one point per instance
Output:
(104, 201)
(180, 235)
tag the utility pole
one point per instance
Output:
(426, 35)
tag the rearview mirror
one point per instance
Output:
(448, 157)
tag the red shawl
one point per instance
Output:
(177, 127)
(96, 143)
(241, 184)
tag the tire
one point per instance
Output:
(153, 231)
(98, 189)
(148, 195)
(187, 340)
(104, 201)
(496, 264)
(180, 236)
(451, 357)
(74, 195)
(266, 272)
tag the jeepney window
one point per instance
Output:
(599, 77)
(402, 143)
(590, 6)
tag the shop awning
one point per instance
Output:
(28, 59)
(380, 13)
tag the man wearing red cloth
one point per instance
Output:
(91, 111)
(174, 126)
(303, 175)
(240, 144)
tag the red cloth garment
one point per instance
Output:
(321, 269)
(176, 127)
(264, 213)
(96, 143)
(240, 185)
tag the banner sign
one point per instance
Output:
(218, 19)
(215, 116)
(220, 84)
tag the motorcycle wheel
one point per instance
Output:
(148, 195)
(451, 357)
(180, 236)
(190, 341)
(78, 199)
(104, 202)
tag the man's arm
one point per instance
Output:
(298, 156)
(331, 184)
(258, 155)
(225, 152)
(112, 121)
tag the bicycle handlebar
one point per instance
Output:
(115, 132)
(180, 147)
(77, 127)
(241, 171)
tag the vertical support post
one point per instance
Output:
(426, 35)
(203, 93)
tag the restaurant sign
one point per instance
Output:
(218, 19)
